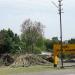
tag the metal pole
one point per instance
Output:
(60, 12)
(61, 50)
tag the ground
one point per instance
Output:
(37, 70)
(62, 72)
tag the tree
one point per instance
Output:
(72, 41)
(55, 39)
(9, 42)
(50, 43)
(32, 34)
(4, 42)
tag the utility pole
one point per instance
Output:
(59, 6)
(61, 49)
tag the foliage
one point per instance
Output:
(32, 39)
(32, 35)
(49, 43)
(37, 50)
(9, 42)
(72, 41)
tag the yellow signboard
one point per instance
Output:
(67, 48)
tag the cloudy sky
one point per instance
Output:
(14, 12)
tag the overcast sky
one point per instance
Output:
(14, 12)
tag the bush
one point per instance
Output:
(36, 50)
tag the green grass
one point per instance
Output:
(38, 68)
(8, 70)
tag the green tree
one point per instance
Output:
(9, 42)
(32, 35)
(4, 42)
(72, 41)
(50, 43)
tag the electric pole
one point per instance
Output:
(59, 6)
(60, 15)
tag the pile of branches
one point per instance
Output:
(6, 60)
(28, 60)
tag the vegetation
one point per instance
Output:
(31, 41)
(49, 43)
(31, 69)
(9, 42)
(32, 36)
(29, 60)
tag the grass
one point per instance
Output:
(8, 70)
(38, 68)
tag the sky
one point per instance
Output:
(14, 12)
